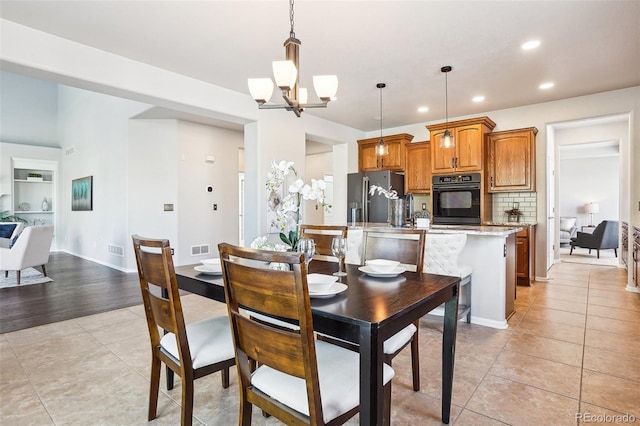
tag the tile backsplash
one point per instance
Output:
(505, 201)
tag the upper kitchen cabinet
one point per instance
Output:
(467, 155)
(417, 171)
(511, 160)
(368, 160)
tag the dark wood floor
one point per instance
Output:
(79, 288)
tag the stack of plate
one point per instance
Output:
(210, 267)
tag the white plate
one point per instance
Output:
(370, 271)
(208, 270)
(333, 290)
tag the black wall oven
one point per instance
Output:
(456, 199)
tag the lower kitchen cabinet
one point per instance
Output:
(526, 255)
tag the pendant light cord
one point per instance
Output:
(381, 87)
(292, 34)
(446, 98)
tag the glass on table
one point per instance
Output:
(308, 247)
(339, 250)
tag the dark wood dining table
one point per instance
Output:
(368, 312)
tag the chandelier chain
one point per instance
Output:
(292, 33)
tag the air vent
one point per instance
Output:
(69, 151)
(115, 250)
(199, 250)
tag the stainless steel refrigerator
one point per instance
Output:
(364, 207)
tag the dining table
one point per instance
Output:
(367, 312)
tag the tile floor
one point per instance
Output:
(572, 347)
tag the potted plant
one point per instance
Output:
(422, 219)
(514, 215)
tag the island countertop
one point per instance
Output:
(448, 229)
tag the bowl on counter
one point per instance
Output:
(382, 265)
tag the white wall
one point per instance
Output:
(28, 110)
(198, 223)
(584, 180)
(152, 181)
(97, 127)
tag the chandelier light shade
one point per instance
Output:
(591, 208)
(286, 76)
(261, 89)
(447, 140)
(382, 148)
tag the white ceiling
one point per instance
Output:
(587, 47)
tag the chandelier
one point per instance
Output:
(286, 76)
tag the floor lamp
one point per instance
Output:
(591, 208)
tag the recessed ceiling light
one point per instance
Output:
(423, 109)
(531, 44)
(544, 86)
(478, 98)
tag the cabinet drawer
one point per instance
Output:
(524, 233)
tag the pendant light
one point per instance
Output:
(382, 148)
(446, 139)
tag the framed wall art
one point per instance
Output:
(82, 194)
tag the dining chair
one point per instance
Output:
(191, 351)
(300, 380)
(407, 247)
(323, 236)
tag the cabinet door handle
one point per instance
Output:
(492, 181)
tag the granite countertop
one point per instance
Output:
(449, 229)
(499, 223)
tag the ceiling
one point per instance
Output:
(586, 47)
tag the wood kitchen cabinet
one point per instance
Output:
(368, 160)
(417, 170)
(511, 160)
(468, 153)
(526, 255)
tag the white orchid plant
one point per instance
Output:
(390, 193)
(287, 208)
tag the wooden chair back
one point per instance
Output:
(323, 236)
(156, 273)
(403, 245)
(275, 293)
(212, 346)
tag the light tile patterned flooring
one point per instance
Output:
(572, 347)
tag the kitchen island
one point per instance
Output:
(490, 251)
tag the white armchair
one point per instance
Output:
(30, 249)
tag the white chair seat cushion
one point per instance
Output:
(339, 376)
(398, 340)
(209, 341)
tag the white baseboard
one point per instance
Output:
(119, 268)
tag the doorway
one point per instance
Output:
(590, 167)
